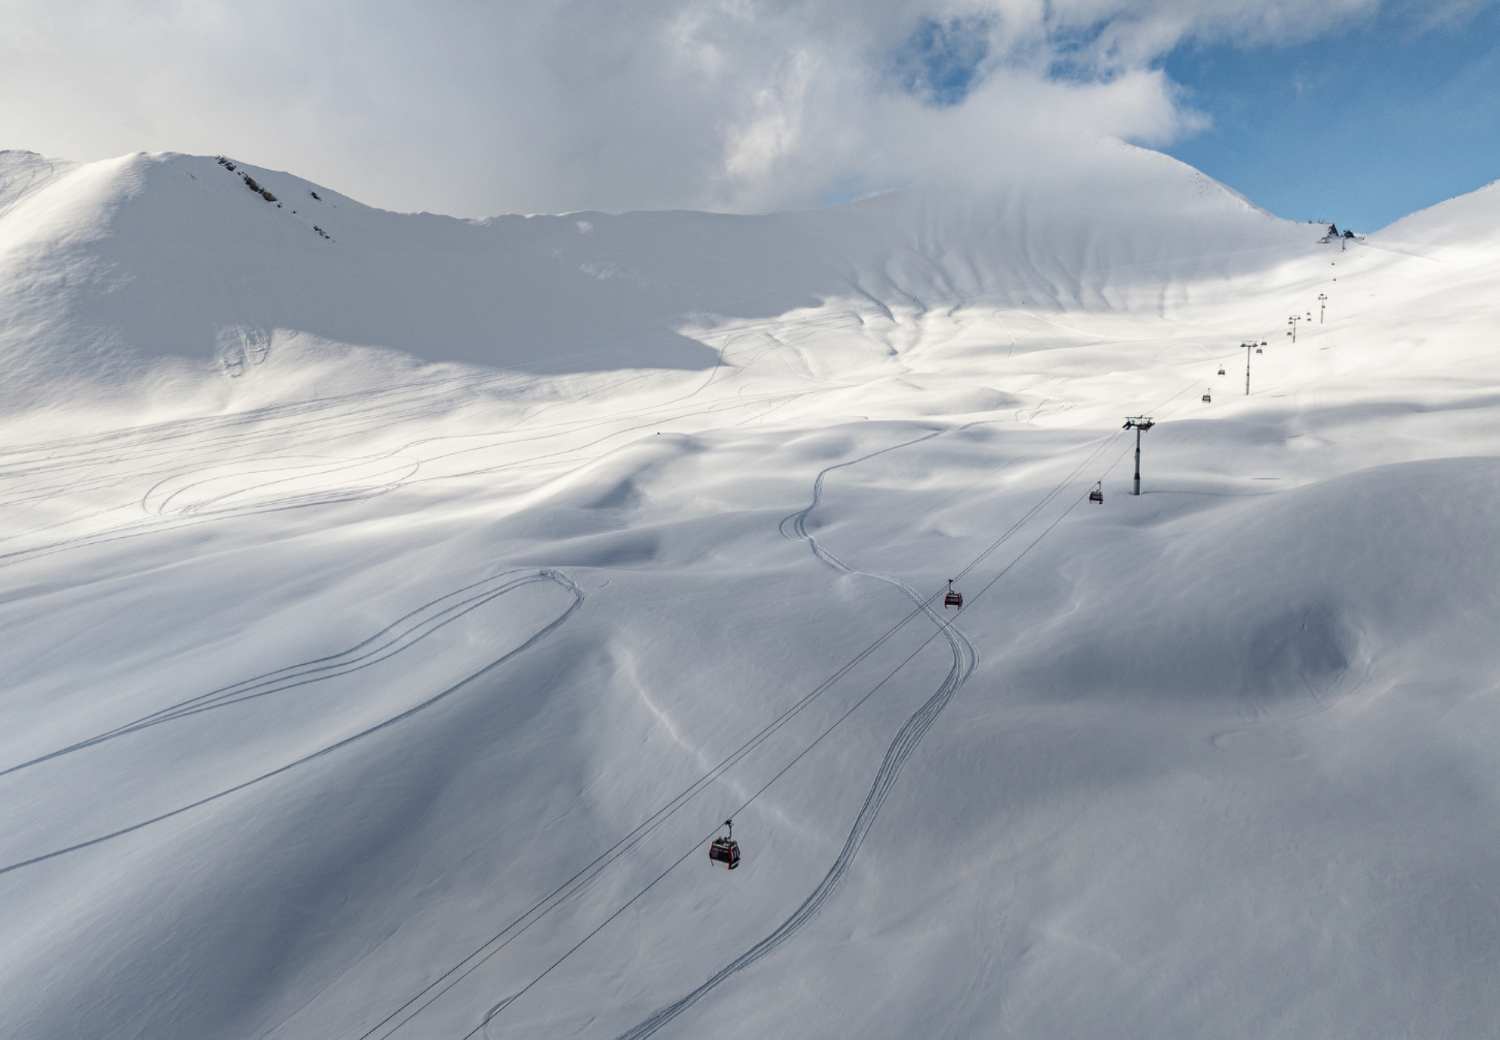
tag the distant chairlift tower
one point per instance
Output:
(1249, 347)
(1140, 424)
(1322, 306)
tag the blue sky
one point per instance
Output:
(940, 61)
(1362, 126)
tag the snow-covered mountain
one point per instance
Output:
(1471, 220)
(395, 605)
(106, 268)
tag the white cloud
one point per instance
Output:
(572, 104)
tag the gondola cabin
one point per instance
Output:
(1208, 398)
(953, 598)
(1096, 494)
(1221, 370)
(724, 849)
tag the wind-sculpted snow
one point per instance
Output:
(145, 268)
(394, 605)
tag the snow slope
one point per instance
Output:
(1469, 223)
(109, 268)
(392, 615)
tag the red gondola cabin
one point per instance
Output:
(724, 849)
(953, 598)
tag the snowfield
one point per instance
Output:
(394, 606)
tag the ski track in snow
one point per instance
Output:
(547, 576)
(400, 635)
(965, 660)
(351, 415)
(156, 501)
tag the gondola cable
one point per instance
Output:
(939, 630)
(697, 845)
(585, 875)
(595, 867)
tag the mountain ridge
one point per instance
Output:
(558, 293)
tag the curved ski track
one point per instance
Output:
(403, 474)
(351, 414)
(400, 635)
(965, 659)
(548, 576)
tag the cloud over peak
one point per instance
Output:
(726, 104)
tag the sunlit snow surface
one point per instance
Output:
(369, 598)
